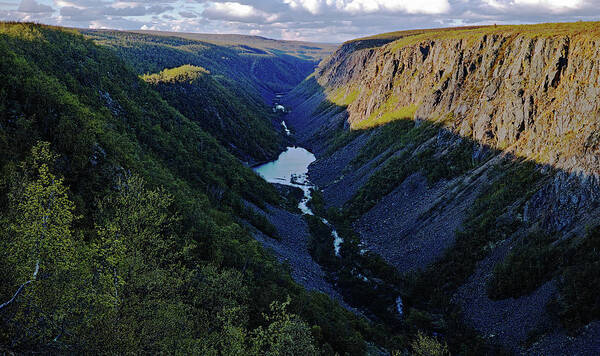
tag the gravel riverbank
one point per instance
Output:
(292, 248)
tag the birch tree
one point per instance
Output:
(41, 247)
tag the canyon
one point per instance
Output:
(229, 194)
(508, 101)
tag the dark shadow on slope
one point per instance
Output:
(509, 196)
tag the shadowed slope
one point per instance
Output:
(502, 144)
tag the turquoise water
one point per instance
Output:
(291, 168)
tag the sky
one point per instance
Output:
(331, 21)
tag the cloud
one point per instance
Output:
(312, 6)
(316, 20)
(368, 6)
(557, 6)
(31, 6)
(80, 14)
(89, 10)
(235, 11)
(551, 4)
(187, 14)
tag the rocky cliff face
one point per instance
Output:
(534, 95)
(515, 97)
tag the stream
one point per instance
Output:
(291, 168)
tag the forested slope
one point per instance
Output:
(262, 71)
(240, 124)
(305, 50)
(237, 94)
(120, 220)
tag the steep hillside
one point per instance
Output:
(470, 156)
(522, 86)
(123, 223)
(305, 50)
(263, 72)
(244, 81)
(239, 123)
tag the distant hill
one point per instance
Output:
(265, 69)
(244, 77)
(301, 49)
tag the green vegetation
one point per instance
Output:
(385, 38)
(180, 75)
(257, 44)
(317, 202)
(515, 182)
(290, 197)
(341, 97)
(256, 71)
(390, 138)
(530, 264)
(386, 113)
(341, 139)
(241, 79)
(239, 123)
(120, 220)
(425, 345)
(579, 302)
(368, 282)
(400, 39)
(409, 38)
(539, 258)
(365, 280)
(397, 147)
(451, 163)
(427, 294)
(320, 244)
(121, 213)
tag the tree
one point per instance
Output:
(286, 335)
(41, 248)
(424, 345)
(140, 220)
(137, 259)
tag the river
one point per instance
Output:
(291, 168)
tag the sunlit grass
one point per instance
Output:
(342, 97)
(385, 114)
(407, 38)
(185, 73)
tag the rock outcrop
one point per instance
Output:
(535, 95)
(516, 93)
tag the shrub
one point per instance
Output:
(425, 345)
(529, 265)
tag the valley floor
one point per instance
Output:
(414, 225)
(292, 249)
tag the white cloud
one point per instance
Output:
(186, 14)
(146, 27)
(370, 6)
(316, 20)
(551, 4)
(540, 7)
(31, 6)
(235, 11)
(312, 6)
